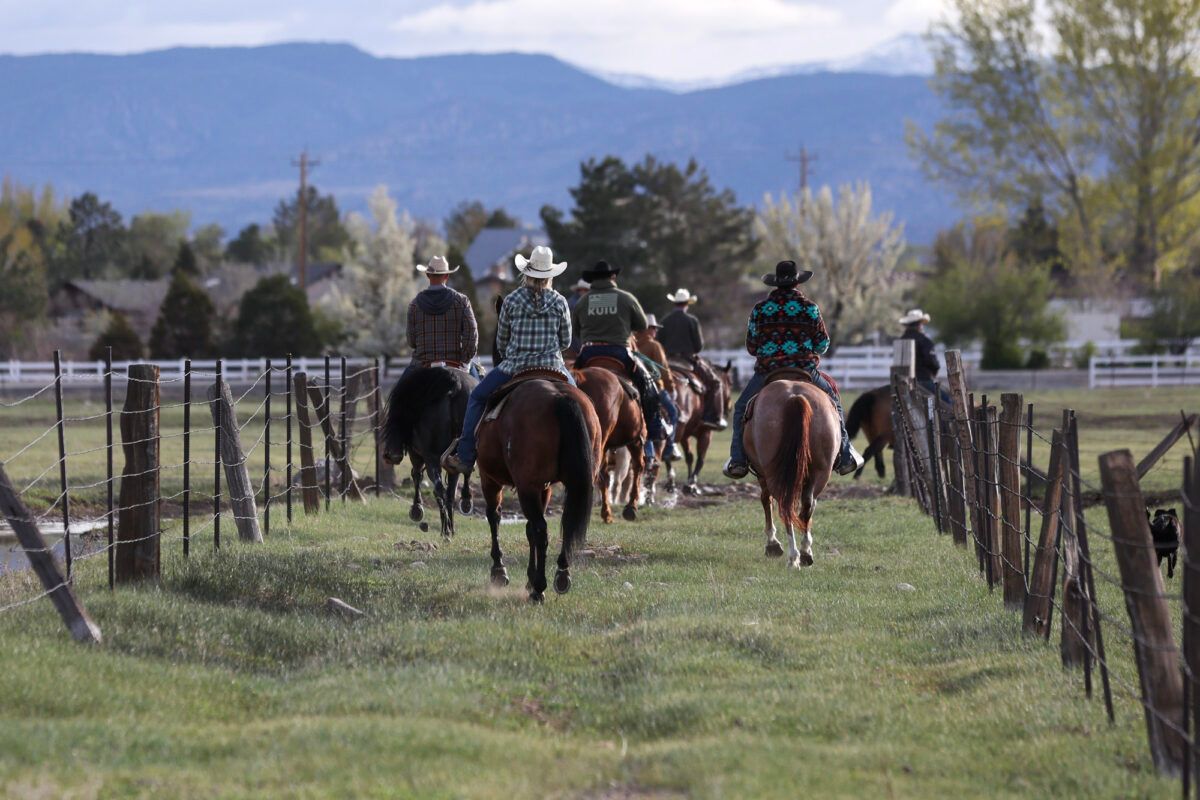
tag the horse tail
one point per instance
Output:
(789, 467)
(576, 470)
(859, 412)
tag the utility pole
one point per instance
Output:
(302, 199)
(804, 159)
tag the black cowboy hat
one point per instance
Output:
(787, 275)
(602, 269)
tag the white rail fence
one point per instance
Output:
(1150, 371)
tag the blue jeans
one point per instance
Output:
(668, 405)
(737, 450)
(476, 404)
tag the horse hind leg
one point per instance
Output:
(465, 505)
(442, 496)
(491, 499)
(774, 548)
(807, 505)
(604, 484)
(637, 458)
(417, 512)
(536, 534)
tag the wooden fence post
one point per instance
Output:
(237, 471)
(936, 462)
(1010, 500)
(962, 430)
(955, 491)
(308, 471)
(1153, 642)
(333, 445)
(903, 367)
(1038, 610)
(137, 555)
(55, 584)
(385, 471)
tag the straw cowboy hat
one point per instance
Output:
(437, 266)
(652, 321)
(786, 274)
(540, 263)
(682, 296)
(914, 316)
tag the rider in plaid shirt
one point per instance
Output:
(441, 323)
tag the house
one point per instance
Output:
(490, 258)
(137, 300)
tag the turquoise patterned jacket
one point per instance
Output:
(786, 330)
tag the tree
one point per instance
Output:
(92, 235)
(185, 321)
(23, 289)
(853, 253)
(1101, 122)
(250, 247)
(152, 243)
(274, 320)
(370, 302)
(664, 225)
(207, 245)
(185, 260)
(121, 337)
(327, 237)
(979, 291)
(467, 219)
(1034, 240)
(1174, 319)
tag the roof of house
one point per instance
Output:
(124, 295)
(490, 254)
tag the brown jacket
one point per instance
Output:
(648, 346)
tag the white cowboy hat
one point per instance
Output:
(540, 263)
(682, 296)
(916, 315)
(437, 266)
(652, 321)
(581, 284)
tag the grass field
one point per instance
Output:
(682, 663)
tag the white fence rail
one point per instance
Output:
(852, 367)
(1151, 371)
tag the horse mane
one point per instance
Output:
(410, 397)
(789, 468)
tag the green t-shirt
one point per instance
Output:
(607, 314)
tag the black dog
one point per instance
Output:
(1164, 527)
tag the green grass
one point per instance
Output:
(714, 673)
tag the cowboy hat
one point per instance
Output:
(786, 274)
(437, 266)
(914, 316)
(540, 263)
(581, 286)
(682, 296)
(652, 322)
(601, 270)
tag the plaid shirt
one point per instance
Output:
(451, 335)
(786, 330)
(534, 329)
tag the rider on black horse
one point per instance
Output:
(442, 331)
(786, 331)
(603, 321)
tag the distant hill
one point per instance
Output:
(213, 130)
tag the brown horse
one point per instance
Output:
(546, 433)
(872, 412)
(792, 436)
(691, 420)
(622, 425)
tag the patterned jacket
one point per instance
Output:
(533, 330)
(441, 326)
(786, 330)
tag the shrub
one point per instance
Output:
(121, 337)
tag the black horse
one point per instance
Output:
(424, 415)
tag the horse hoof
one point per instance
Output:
(416, 513)
(537, 598)
(562, 581)
(774, 550)
(630, 514)
(806, 560)
(499, 576)
(466, 506)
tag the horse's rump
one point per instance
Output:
(413, 395)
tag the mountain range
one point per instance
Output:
(214, 131)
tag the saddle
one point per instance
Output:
(617, 368)
(495, 403)
(684, 370)
(787, 374)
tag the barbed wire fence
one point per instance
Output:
(283, 438)
(1031, 537)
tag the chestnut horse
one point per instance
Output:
(792, 437)
(872, 412)
(622, 425)
(691, 420)
(546, 433)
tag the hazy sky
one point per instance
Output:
(669, 39)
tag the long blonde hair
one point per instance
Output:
(537, 284)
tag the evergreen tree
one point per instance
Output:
(274, 319)
(185, 322)
(121, 337)
(185, 260)
(249, 246)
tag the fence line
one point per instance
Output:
(1148, 370)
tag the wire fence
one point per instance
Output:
(970, 466)
(184, 459)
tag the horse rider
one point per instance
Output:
(578, 292)
(603, 321)
(533, 329)
(927, 365)
(647, 348)
(786, 331)
(682, 338)
(442, 331)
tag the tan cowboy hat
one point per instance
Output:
(540, 263)
(682, 296)
(652, 321)
(438, 265)
(916, 315)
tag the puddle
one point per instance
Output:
(12, 555)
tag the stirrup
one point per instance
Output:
(849, 462)
(735, 470)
